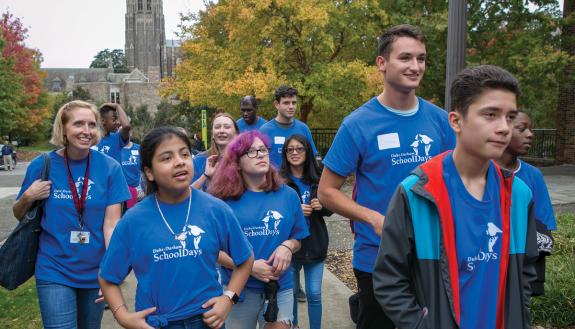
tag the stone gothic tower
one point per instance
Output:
(146, 38)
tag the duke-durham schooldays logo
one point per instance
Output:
(182, 250)
(421, 147)
(271, 223)
(494, 233)
(66, 194)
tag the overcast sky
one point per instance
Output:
(69, 33)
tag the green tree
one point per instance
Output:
(11, 91)
(565, 113)
(326, 49)
(238, 47)
(115, 58)
(21, 97)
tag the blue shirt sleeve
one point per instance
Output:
(121, 141)
(115, 264)
(33, 172)
(299, 230)
(343, 155)
(542, 205)
(199, 166)
(234, 242)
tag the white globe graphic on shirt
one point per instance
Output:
(272, 215)
(196, 232)
(424, 140)
(492, 231)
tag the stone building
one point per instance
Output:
(150, 58)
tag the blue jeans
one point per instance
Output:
(64, 307)
(313, 278)
(195, 322)
(249, 313)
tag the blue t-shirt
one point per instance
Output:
(268, 219)
(199, 165)
(59, 260)
(478, 235)
(175, 276)
(304, 190)
(246, 127)
(278, 134)
(112, 145)
(382, 148)
(131, 165)
(542, 207)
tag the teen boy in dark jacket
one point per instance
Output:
(458, 241)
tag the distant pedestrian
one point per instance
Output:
(7, 152)
(198, 146)
(249, 111)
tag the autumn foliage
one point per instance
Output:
(23, 103)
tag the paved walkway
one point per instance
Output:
(560, 182)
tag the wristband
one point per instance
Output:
(290, 249)
(115, 309)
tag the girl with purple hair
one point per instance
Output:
(271, 217)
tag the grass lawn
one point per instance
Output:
(37, 147)
(19, 308)
(557, 307)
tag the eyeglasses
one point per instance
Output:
(296, 150)
(253, 153)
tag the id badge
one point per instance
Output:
(81, 237)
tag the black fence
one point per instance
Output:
(323, 137)
(543, 142)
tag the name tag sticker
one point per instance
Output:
(82, 237)
(279, 140)
(388, 141)
(135, 152)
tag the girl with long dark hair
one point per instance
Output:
(302, 173)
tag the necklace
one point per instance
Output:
(181, 236)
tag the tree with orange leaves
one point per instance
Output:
(23, 104)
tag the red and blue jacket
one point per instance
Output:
(416, 279)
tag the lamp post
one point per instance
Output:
(456, 43)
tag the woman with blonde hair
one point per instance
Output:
(83, 197)
(224, 129)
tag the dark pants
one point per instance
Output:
(370, 315)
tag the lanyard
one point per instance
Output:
(79, 202)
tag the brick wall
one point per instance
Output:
(565, 114)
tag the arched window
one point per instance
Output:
(140, 5)
(149, 5)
